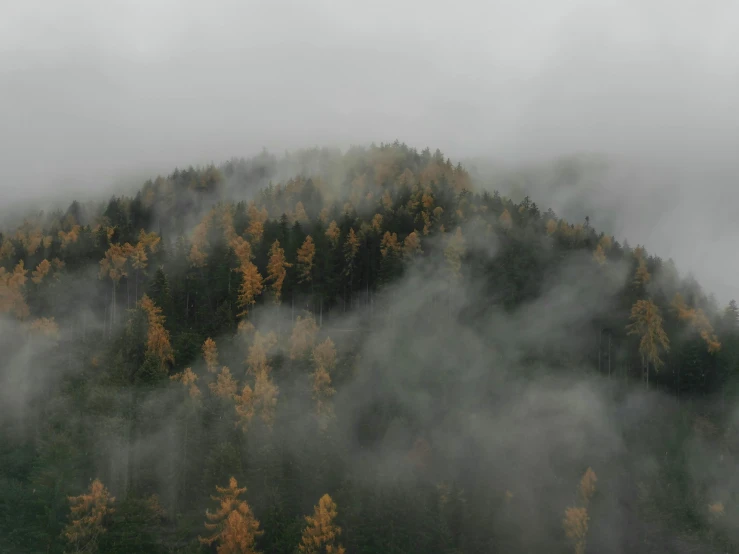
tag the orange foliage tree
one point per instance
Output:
(322, 534)
(277, 269)
(157, 338)
(88, 518)
(324, 359)
(576, 518)
(11, 291)
(234, 527)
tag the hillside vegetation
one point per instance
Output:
(359, 352)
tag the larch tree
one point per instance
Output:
(189, 380)
(277, 269)
(11, 291)
(306, 256)
(41, 271)
(599, 255)
(324, 360)
(300, 215)
(333, 233)
(257, 218)
(576, 520)
(698, 320)
(505, 219)
(89, 517)
(198, 251)
(321, 535)
(157, 338)
(210, 355)
(252, 285)
(646, 323)
(263, 397)
(454, 251)
(412, 245)
(113, 265)
(303, 336)
(225, 386)
(233, 527)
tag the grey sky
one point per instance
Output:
(92, 91)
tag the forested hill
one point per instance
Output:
(367, 338)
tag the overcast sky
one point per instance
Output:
(95, 91)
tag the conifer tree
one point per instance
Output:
(321, 536)
(646, 323)
(89, 516)
(277, 269)
(233, 526)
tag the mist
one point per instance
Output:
(623, 112)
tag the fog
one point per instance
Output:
(94, 95)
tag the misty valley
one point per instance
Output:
(361, 351)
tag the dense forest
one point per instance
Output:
(365, 352)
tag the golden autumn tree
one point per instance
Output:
(306, 256)
(41, 271)
(263, 397)
(252, 285)
(45, 326)
(599, 255)
(198, 250)
(210, 355)
(641, 275)
(412, 245)
(333, 233)
(113, 265)
(189, 380)
(7, 250)
(157, 337)
(551, 226)
(89, 517)
(699, 321)
(646, 323)
(576, 518)
(454, 251)
(303, 336)
(11, 291)
(257, 218)
(233, 526)
(300, 215)
(505, 219)
(225, 386)
(324, 360)
(277, 269)
(321, 535)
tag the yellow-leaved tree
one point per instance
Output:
(698, 319)
(210, 355)
(321, 536)
(11, 291)
(277, 269)
(251, 287)
(89, 517)
(303, 336)
(646, 323)
(263, 397)
(306, 255)
(324, 360)
(233, 526)
(576, 518)
(157, 337)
